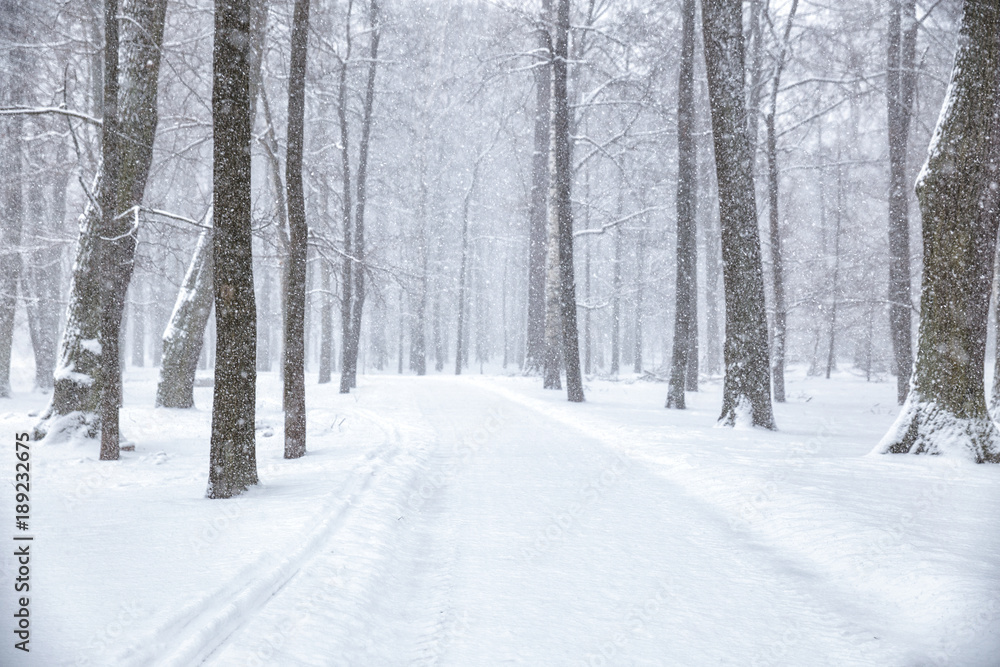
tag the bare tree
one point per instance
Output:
(687, 193)
(747, 390)
(774, 229)
(945, 411)
(78, 377)
(298, 233)
(542, 69)
(560, 203)
(233, 456)
(349, 367)
(185, 333)
(900, 84)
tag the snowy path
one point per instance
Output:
(522, 541)
(483, 521)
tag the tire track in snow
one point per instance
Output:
(197, 630)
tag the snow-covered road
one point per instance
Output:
(522, 541)
(480, 521)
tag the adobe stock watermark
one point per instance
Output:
(115, 631)
(753, 503)
(445, 471)
(561, 521)
(611, 650)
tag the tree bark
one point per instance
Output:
(747, 386)
(185, 333)
(640, 275)
(537, 218)
(14, 91)
(78, 375)
(325, 325)
(298, 233)
(777, 261)
(945, 411)
(232, 459)
(461, 342)
(616, 300)
(687, 193)
(560, 204)
(347, 269)
(349, 372)
(900, 84)
(10, 251)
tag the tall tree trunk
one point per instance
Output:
(945, 410)
(348, 268)
(233, 455)
(437, 330)
(358, 296)
(461, 341)
(138, 317)
(831, 356)
(747, 386)
(42, 278)
(298, 232)
(418, 353)
(185, 334)
(687, 200)
(713, 270)
(10, 251)
(900, 83)
(560, 206)
(777, 261)
(640, 263)
(537, 218)
(78, 377)
(325, 324)
(14, 91)
(616, 301)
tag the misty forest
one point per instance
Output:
(470, 332)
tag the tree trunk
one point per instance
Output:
(537, 218)
(325, 324)
(138, 317)
(347, 275)
(14, 91)
(900, 83)
(461, 341)
(185, 333)
(831, 356)
(78, 376)
(42, 279)
(616, 301)
(640, 262)
(713, 270)
(298, 232)
(233, 456)
(418, 346)
(349, 372)
(10, 251)
(560, 204)
(687, 164)
(945, 410)
(777, 262)
(747, 386)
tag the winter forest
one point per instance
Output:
(474, 332)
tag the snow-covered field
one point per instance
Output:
(480, 520)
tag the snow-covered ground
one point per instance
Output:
(480, 520)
